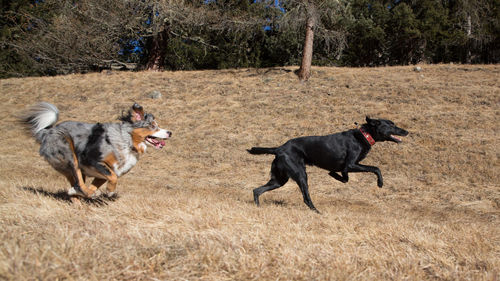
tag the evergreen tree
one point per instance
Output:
(406, 44)
(367, 40)
(63, 36)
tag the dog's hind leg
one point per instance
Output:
(278, 179)
(72, 181)
(78, 187)
(344, 178)
(272, 184)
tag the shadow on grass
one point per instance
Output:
(101, 200)
(279, 203)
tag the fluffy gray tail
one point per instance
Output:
(39, 117)
(262, 150)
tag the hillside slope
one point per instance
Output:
(186, 212)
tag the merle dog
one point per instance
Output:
(104, 151)
(340, 152)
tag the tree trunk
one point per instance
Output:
(469, 39)
(305, 67)
(157, 50)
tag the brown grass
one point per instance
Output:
(186, 212)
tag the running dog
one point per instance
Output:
(104, 151)
(340, 152)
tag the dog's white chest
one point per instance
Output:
(127, 162)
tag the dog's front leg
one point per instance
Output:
(96, 183)
(356, 168)
(78, 187)
(301, 178)
(111, 187)
(344, 178)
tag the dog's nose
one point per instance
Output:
(169, 134)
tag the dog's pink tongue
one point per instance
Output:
(394, 137)
(162, 143)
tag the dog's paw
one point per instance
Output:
(71, 191)
(96, 194)
(256, 198)
(111, 195)
(76, 191)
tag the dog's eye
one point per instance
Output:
(154, 125)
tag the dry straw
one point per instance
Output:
(186, 212)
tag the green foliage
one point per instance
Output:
(367, 39)
(405, 39)
(407, 31)
(17, 18)
(281, 48)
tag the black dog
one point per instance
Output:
(339, 152)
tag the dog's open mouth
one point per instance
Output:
(156, 142)
(396, 139)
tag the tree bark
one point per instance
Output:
(157, 51)
(305, 67)
(469, 39)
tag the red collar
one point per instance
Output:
(367, 136)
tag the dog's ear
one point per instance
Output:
(137, 112)
(372, 122)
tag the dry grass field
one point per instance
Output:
(186, 212)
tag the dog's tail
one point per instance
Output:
(40, 117)
(262, 150)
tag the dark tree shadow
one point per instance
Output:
(62, 195)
